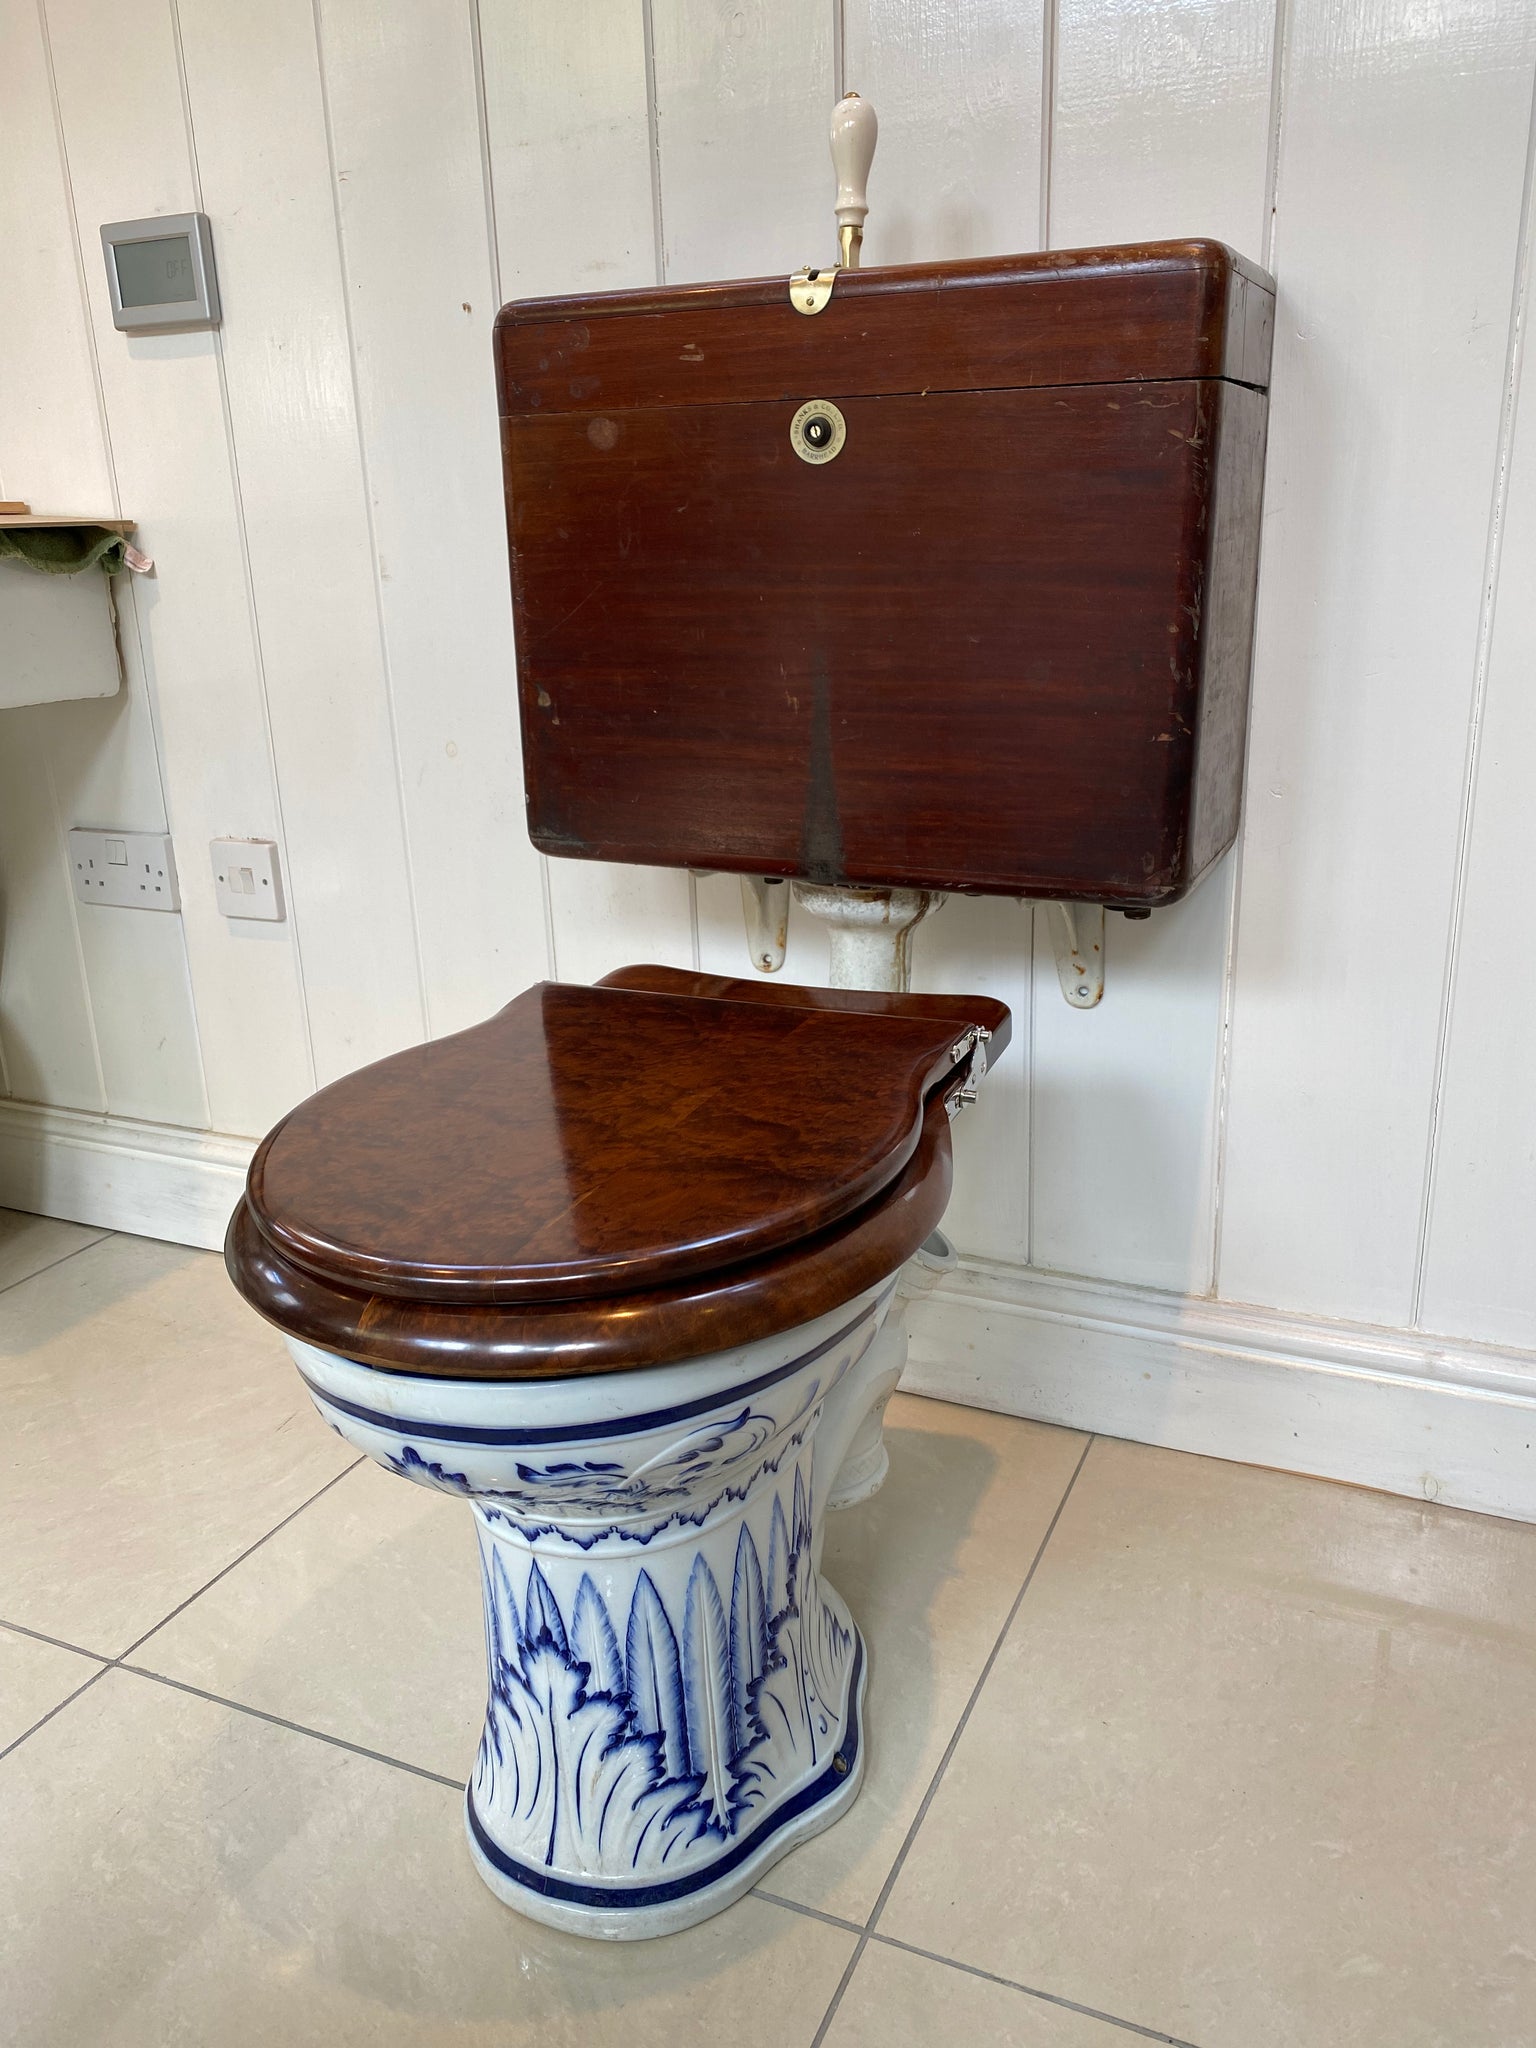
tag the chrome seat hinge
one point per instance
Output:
(811, 286)
(971, 1047)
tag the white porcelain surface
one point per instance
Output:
(675, 1691)
(172, 1871)
(1254, 1766)
(153, 1431)
(34, 1678)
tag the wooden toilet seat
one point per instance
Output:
(605, 1178)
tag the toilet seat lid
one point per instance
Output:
(595, 1141)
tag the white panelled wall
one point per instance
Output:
(1276, 1198)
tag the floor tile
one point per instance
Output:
(1254, 1766)
(153, 1429)
(361, 1618)
(172, 1871)
(930, 1568)
(34, 1678)
(898, 2000)
(29, 1243)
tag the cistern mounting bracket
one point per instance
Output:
(765, 905)
(1077, 937)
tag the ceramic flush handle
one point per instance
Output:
(854, 130)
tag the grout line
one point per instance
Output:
(839, 50)
(107, 1661)
(20, 1628)
(219, 1699)
(1488, 605)
(810, 1912)
(365, 478)
(61, 1260)
(952, 1745)
(166, 1619)
(46, 1718)
(1092, 2012)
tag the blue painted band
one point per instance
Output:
(582, 1432)
(633, 1898)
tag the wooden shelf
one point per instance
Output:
(65, 519)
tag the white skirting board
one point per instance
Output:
(156, 1180)
(1434, 1418)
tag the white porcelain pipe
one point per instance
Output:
(870, 931)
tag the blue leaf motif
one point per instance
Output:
(712, 1709)
(544, 1614)
(749, 1637)
(778, 1564)
(593, 1641)
(655, 1677)
(505, 1622)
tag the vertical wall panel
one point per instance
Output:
(405, 127)
(258, 121)
(51, 449)
(46, 1033)
(982, 945)
(744, 95)
(1402, 160)
(568, 130)
(568, 127)
(93, 762)
(103, 768)
(1161, 130)
(1161, 124)
(957, 91)
(52, 454)
(1481, 1266)
(127, 150)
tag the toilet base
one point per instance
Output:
(675, 1692)
(584, 1909)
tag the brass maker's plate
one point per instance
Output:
(817, 431)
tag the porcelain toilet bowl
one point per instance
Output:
(675, 1694)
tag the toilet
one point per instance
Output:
(621, 1268)
(867, 587)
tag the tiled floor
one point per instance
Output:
(1161, 1748)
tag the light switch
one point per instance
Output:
(246, 881)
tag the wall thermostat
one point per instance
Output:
(160, 272)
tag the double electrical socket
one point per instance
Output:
(132, 870)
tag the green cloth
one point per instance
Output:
(63, 550)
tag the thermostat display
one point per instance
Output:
(160, 272)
